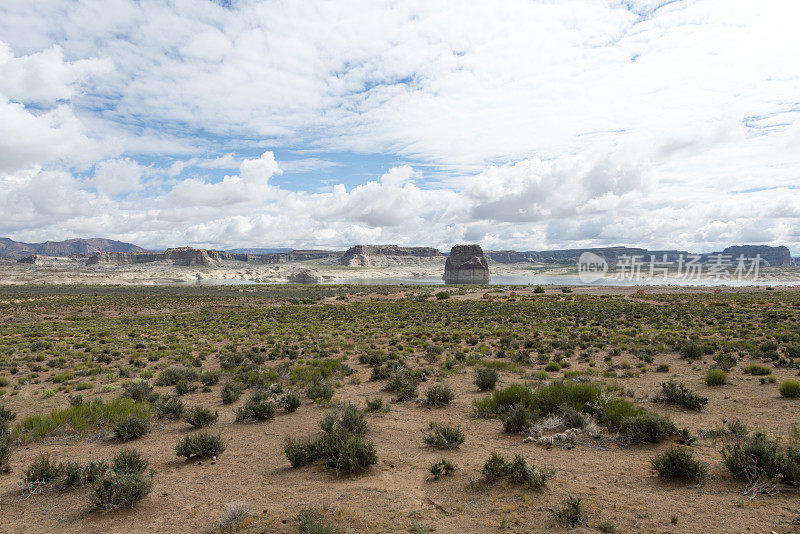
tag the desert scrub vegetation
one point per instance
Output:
(200, 445)
(678, 394)
(259, 407)
(716, 377)
(517, 471)
(789, 388)
(131, 427)
(81, 418)
(520, 406)
(571, 514)
(310, 521)
(443, 436)
(341, 444)
(441, 468)
(678, 463)
(439, 395)
(758, 460)
(486, 378)
(198, 417)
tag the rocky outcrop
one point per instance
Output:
(386, 255)
(306, 276)
(466, 264)
(11, 249)
(189, 256)
(772, 256)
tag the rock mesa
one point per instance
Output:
(466, 265)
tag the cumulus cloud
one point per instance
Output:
(527, 125)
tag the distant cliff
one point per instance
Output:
(207, 258)
(386, 255)
(10, 249)
(774, 256)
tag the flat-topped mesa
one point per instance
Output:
(466, 264)
(188, 256)
(386, 255)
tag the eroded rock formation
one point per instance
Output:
(466, 265)
(386, 255)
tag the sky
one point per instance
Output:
(521, 125)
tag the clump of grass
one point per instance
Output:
(486, 378)
(716, 377)
(259, 407)
(517, 470)
(441, 468)
(677, 462)
(235, 516)
(757, 370)
(81, 418)
(131, 427)
(439, 395)
(443, 436)
(341, 444)
(199, 417)
(789, 388)
(311, 522)
(200, 445)
(678, 394)
(375, 405)
(43, 471)
(571, 514)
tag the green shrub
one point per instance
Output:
(518, 419)
(439, 395)
(182, 387)
(138, 390)
(678, 394)
(231, 392)
(441, 468)
(319, 391)
(677, 462)
(348, 452)
(131, 428)
(291, 402)
(172, 375)
(790, 388)
(404, 383)
(662, 368)
(538, 289)
(375, 405)
(441, 295)
(443, 436)
(121, 490)
(552, 367)
(200, 445)
(199, 417)
(168, 406)
(690, 350)
(258, 407)
(350, 419)
(210, 378)
(716, 377)
(751, 457)
(571, 514)
(486, 378)
(518, 471)
(647, 428)
(302, 452)
(128, 461)
(6, 415)
(5, 449)
(42, 471)
(756, 369)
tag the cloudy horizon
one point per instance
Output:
(524, 125)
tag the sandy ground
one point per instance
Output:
(397, 494)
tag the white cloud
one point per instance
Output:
(558, 123)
